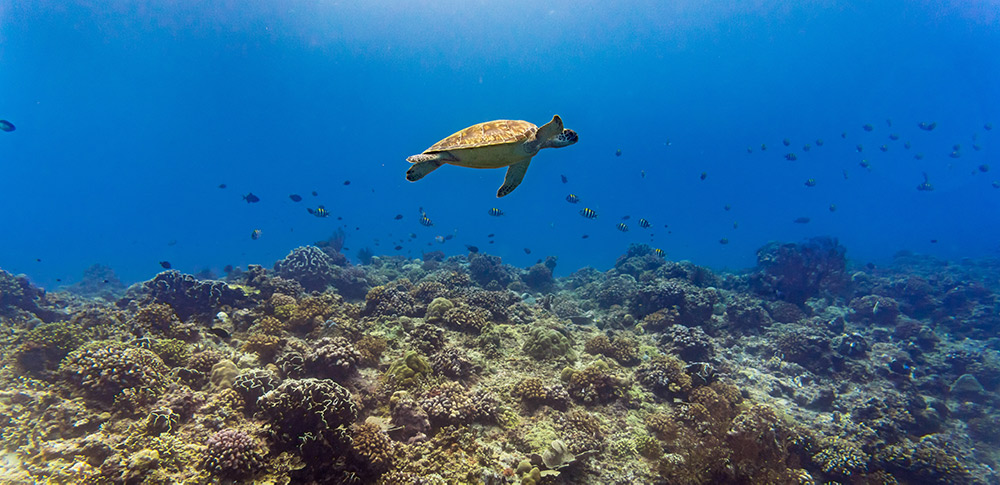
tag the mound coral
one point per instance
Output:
(102, 370)
(308, 265)
(309, 413)
(187, 295)
(231, 454)
(796, 272)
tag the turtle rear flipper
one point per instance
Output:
(423, 164)
(515, 174)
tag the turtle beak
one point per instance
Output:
(570, 136)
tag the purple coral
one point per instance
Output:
(489, 271)
(231, 454)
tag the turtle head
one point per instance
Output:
(564, 139)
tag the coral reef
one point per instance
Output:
(462, 369)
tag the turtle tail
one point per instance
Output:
(423, 164)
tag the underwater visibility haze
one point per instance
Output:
(757, 242)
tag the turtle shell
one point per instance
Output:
(490, 133)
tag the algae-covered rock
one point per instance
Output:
(409, 370)
(437, 309)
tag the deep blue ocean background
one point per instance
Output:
(130, 115)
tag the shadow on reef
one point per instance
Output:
(466, 370)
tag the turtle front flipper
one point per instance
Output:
(423, 164)
(515, 174)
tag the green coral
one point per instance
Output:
(174, 352)
(409, 370)
(548, 343)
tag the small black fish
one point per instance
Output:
(811, 183)
(527, 251)
(625, 218)
(659, 252)
(988, 126)
(763, 147)
(222, 186)
(749, 149)
(495, 212)
(622, 227)
(318, 211)
(864, 164)
(588, 213)
(833, 207)
(165, 264)
(984, 168)
(791, 157)
(472, 249)
(819, 142)
(250, 198)
(868, 127)
(219, 332)
(704, 175)
(397, 248)
(893, 136)
(295, 197)
(585, 236)
(806, 147)
(618, 152)
(786, 142)
(490, 235)
(801, 220)
(564, 179)
(398, 217)
(727, 207)
(347, 182)
(724, 241)
(7, 126)
(255, 235)
(425, 221)
(572, 199)
(927, 126)
(907, 145)
(643, 223)
(449, 237)
(314, 193)
(919, 156)
(843, 135)
(884, 148)
(933, 241)
(860, 147)
(38, 260)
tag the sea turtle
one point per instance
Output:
(494, 144)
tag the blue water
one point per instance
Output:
(130, 115)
